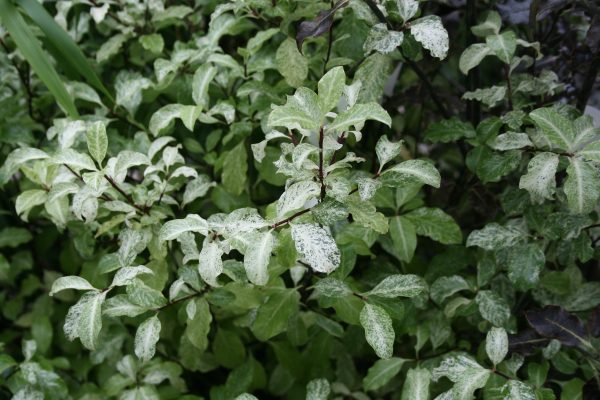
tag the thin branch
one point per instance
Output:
(176, 301)
(103, 196)
(291, 218)
(144, 210)
(321, 170)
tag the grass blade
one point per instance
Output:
(33, 53)
(64, 44)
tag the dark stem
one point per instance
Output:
(103, 197)
(509, 86)
(329, 45)
(588, 83)
(289, 219)
(191, 296)
(321, 171)
(341, 140)
(144, 210)
(473, 107)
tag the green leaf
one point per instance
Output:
(407, 8)
(379, 332)
(301, 111)
(472, 56)
(372, 74)
(29, 199)
(591, 152)
(496, 345)
(449, 130)
(272, 316)
(466, 374)
(14, 237)
(356, 116)
(540, 180)
(517, 390)
(386, 151)
(490, 26)
(435, 224)
(70, 282)
(296, 196)
(97, 141)
(191, 223)
(382, 372)
(503, 45)
(382, 40)
(489, 96)
(84, 319)
(30, 48)
(556, 128)
(146, 337)
(153, 42)
(198, 327)
(582, 186)
(235, 167)
(203, 76)
(257, 256)
(430, 32)
(493, 308)
(494, 236)
(332, 287)
(525, 262)
(399, 286)
(210, 262)
(416, 385)
(291, 64)
(404, 237)
(447, 286)
(317, 247)
(331, 87)
(411, 171)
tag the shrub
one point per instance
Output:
(264, 199)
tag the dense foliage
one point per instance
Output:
(299, 199)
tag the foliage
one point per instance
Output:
(299, 199)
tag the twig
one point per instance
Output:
(321, 171)
(291, 218)
(169, 304)
(144, 210)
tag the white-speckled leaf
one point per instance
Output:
(301, 111)
(517, 390)
(540, 179)
(126, 275)
(97, 141)
(316, 246)
(379, 332)
(496, 345)
(332, 287)
(416, 385)
(386, 151)
(296, 196)
(493, 308)
(407, 8)
(472, 56)
(70, 282)
(382, 40)
(203, 76)
(582, 186)
(495, 236)
(331, 86)
(317, 389)
(356, 116)
(211, 264)
(399, 286)
(432, 35)
(191, 223)
(146, 337)
(367, 187)
(257, 256)
(412, 171)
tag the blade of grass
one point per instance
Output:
(33, 53)
(63, 43)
